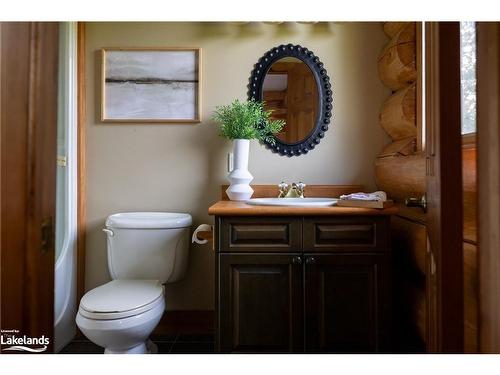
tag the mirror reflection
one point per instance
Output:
(290, 91)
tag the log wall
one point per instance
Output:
(397, 63)
(397, 66)
(400, 171)
(397, 116)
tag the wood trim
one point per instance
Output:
(418, 107)
(431, 117)
(1, 186)
(195, 120)
(311, 191)
(488, 133)
(81, 167)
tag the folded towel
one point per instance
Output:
(376, 196)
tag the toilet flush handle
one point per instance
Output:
(109, 232)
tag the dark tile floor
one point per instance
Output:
(175, 344)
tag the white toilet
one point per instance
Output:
(145, 251)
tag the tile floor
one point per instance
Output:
(174, 344)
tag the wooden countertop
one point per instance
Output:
(232, 208)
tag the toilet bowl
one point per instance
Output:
(145, 251)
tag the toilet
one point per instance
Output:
(145, 251)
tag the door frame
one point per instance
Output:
(81, 165)
(488, 141)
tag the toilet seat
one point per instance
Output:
(120, 299)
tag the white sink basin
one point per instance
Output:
(300, 202)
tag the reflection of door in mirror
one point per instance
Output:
(290, 91)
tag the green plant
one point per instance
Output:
(247, 120)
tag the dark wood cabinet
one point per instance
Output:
(302, 284)
(346, 305)
(260, 303)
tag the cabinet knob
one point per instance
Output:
(297, 260)
(310, 260)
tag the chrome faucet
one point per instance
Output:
(291, 191)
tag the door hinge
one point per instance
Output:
(429, 166)
(61, 161)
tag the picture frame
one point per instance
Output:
(151, 85)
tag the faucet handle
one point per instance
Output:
(283, 189)
(301, 186)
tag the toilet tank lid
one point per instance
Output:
(149, 220)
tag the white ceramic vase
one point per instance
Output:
(240, 177)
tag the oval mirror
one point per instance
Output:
(293, 83)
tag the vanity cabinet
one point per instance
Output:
(302, 284)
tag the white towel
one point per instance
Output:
(376, 196)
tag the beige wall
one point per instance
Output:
(180, 167)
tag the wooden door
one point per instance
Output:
(444, 188)
(29, 56)
(259, 303)
(347, 303)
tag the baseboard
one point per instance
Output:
(186, 322)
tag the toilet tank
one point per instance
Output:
(148, 245)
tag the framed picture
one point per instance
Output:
(159, 85)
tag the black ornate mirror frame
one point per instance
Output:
(324, 94)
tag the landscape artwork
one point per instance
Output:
(150, 85)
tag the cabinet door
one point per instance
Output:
(259, 303)
(346, 303)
